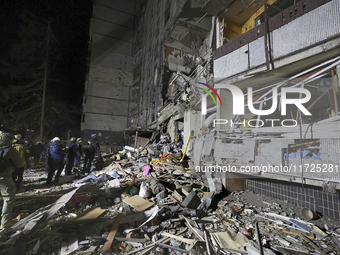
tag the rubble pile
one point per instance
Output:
(148, 201)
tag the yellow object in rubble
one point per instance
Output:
(155, 162)
(186, 146)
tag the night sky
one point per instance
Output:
(70, 21)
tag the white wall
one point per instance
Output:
(111, 66)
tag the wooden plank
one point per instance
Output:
(316, 100)
(112, 233)
(138, 203)
(129, 239)
(182, 239)
(296, 232)
(332, 101)
(120, 168)
(163, 240)
(194, 232)
(335, 91)
(90, 214)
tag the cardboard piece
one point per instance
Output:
(138, 203)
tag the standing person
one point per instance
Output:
(9, 160)
(79, 153)
(24, 153)
(28, 143)
(71, 151)
(54, 160)
(37, 150)
(89, 155)
(95, 143)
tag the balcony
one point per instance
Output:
(308, 28)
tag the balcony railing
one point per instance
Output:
(274, 22)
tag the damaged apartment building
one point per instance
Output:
(252, 85)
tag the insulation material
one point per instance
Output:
(229, 240)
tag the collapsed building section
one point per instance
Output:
(249, 85)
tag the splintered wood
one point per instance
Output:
(112, 233)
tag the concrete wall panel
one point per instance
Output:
(122, 5)
(107, 90)
(104, 122)
(269, 153)
(207, 148)
(325, 168)
(313, 27)
(257, 54)
(242, 153)
(233, 63)
(110, 75)
(111, 60)
(107, 106)
(114, 16)
(111, 44)
(112, 30)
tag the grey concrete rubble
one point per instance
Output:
(137, 202)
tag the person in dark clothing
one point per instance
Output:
(29, 144)
(89, 155)
(9, 160)
(71, 151)
(95, 143)
(79, 153)
(54, 160)
(37, 149)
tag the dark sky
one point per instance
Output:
(70, 21)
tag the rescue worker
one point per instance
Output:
(24, 153)
(71, 151)
(54, 160)
(9, 160)
(79, 152)
(89, 155)
(96, 145)
(38, 148)
(28, 143)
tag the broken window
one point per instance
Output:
(323, 103)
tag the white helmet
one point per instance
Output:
(56, 139)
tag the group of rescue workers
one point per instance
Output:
(16, 156)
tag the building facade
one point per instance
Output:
(252, 85)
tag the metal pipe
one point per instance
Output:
(172, 247)
(259, 238)
(201, 18)
(207, 242)
(265, 36)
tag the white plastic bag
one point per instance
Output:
(145, 190)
